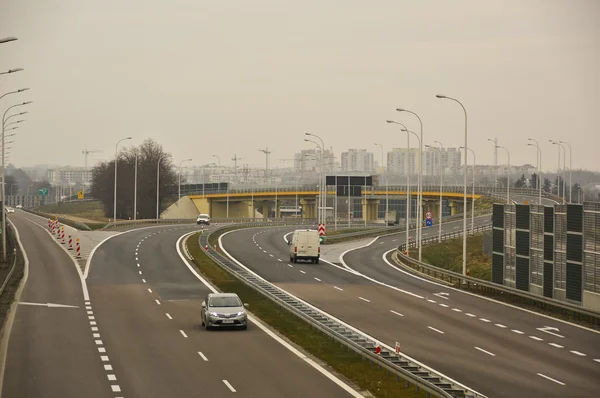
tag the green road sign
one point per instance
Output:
(321, 239)
(43, 192)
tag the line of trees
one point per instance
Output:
(148, 155)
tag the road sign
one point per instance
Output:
(43, 192)
(321, 229)
(429, 215)
(428, 222)
(321, 239)
(80, 195)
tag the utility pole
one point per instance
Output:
(267, 153)
(85, 153)
(235, 159)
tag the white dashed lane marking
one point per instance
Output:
(338, 288)
(484, 351)
(536, 338)
(303, 272)
(500, 325)
(183, 333)
(555, 345)
(229, 385)
(364, 299)
(397, 313)
(202, 356)
(169, 315)
(317, 279)
(444, 305)
(551, 379)
(581, 354)
(435, 330)
(484, 320)
(157, 302)
(471, 315)
(517, 331)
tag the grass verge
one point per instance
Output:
(448, 255)
(86, 212)
(347, 363)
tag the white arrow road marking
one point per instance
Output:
(49, 305)
(549, 329)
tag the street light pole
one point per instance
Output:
(4, 119)
(135, 187)
(116, 162)
(158, 187)
(323, 178)
(441, 190)
(539, 178)
(558, 171)
(464, 185)
(408, 193)
(570, 170)
(320, 205)
(473, 192)
(179, 186)
(420, 208)
(386, 186)
(507, 174)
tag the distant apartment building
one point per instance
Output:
(449, 161)
(309, 160)
(400, 161)
(69, 176)
(357, 160)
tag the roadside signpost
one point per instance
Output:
(428, 219)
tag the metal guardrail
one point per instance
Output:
(363, 345)
(62, 220)
(14, 264)
(490, 288)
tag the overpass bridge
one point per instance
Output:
(268, 201)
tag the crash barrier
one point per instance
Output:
(491, 289)
(386, 357)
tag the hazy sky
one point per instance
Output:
(230, 77)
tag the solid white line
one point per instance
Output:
(104, 358)
(484, 320)
(183, 333)
(229, 385)
(581, 354)
(500, 325)
(487, 352)
(444, 305)
(143, 280)
(157, 302)
(517, 331)
(115, 388)
(108, 367)
(266, 330)
(338, 288)
(555, 345)
(112, 377)
(203, 356)
(536, 338)
(317, 279)
(303, 272)
(551, 379)
(364, 299)
(471, 315)
(169, 315)
(397, 313)
(456, 310)
(435, 330)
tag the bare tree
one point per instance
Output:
(148, 154)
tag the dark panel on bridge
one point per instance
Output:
(522, 273)
(498, 268)
(548, 279)
(574, 282)
(342, 190)
(353, 181)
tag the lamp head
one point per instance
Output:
(389, 121)
(401, 109)
(440, 96)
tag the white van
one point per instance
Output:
(305, 245)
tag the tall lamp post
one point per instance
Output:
(507, 174)
(4, 119)
(441, 190)
(179, 186)
(472, 193)
(320, 205)
(323, 178)
(420, 207)
(408, 193)
(560, 146)
(7, 39)
(464, 184)
(539, 167)
(386, 185)
(158, 187)
(135, 187)
(570, 170)
(116, 162)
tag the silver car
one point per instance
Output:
(224, 310)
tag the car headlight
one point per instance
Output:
(213, 314)
(241, 313)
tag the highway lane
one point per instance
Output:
(486, 356)
(51, 351)
(147, 305)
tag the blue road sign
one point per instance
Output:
(428, 222)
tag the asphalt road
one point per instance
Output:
(492, 348)
(51, 351)
(147, 306)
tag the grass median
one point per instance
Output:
(347, 363)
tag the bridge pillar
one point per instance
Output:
(277, 208)
(369, 208)
(456, 207)
(309, 208)
(265, 210)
